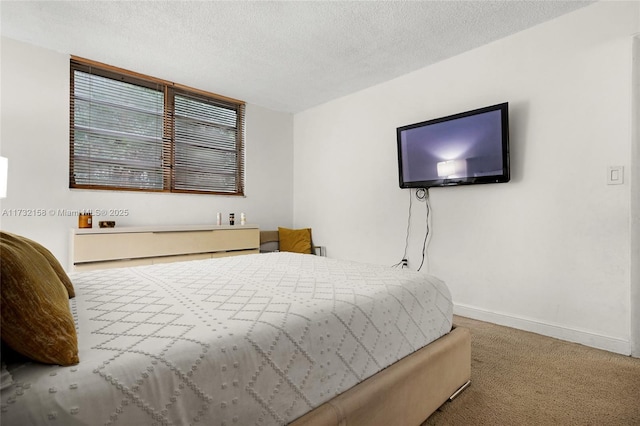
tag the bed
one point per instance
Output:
(261, 339)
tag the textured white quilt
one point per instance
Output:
(247, 340)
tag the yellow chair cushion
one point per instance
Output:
(295, 240)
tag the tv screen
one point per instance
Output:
(461, 149)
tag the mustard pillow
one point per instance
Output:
(35, 319)
(295, 240)
(57, 268)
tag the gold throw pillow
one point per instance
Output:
(55, 264)
(34, 305)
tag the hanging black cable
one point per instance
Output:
(403, 262)
(423, 195)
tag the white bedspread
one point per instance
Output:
(247, 340)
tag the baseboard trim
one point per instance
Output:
(583, 337)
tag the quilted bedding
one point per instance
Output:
(247, 340)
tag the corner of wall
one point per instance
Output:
(635, 201)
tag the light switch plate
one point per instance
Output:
(615, 175)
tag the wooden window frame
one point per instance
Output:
(170, 90)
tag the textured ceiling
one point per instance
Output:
(286, 56)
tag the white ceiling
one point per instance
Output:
(286, 56)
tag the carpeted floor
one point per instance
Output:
(521, 378)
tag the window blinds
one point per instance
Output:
(130, 133)
(206, 145)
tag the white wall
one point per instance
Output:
(547, 252)
(35, 139)
(635, 203)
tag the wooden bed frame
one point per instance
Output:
(405, 393)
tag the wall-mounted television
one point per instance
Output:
(467, 148)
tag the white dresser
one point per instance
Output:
(100, 248)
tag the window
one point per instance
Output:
(139, 133)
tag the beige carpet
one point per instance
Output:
(521, 378)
